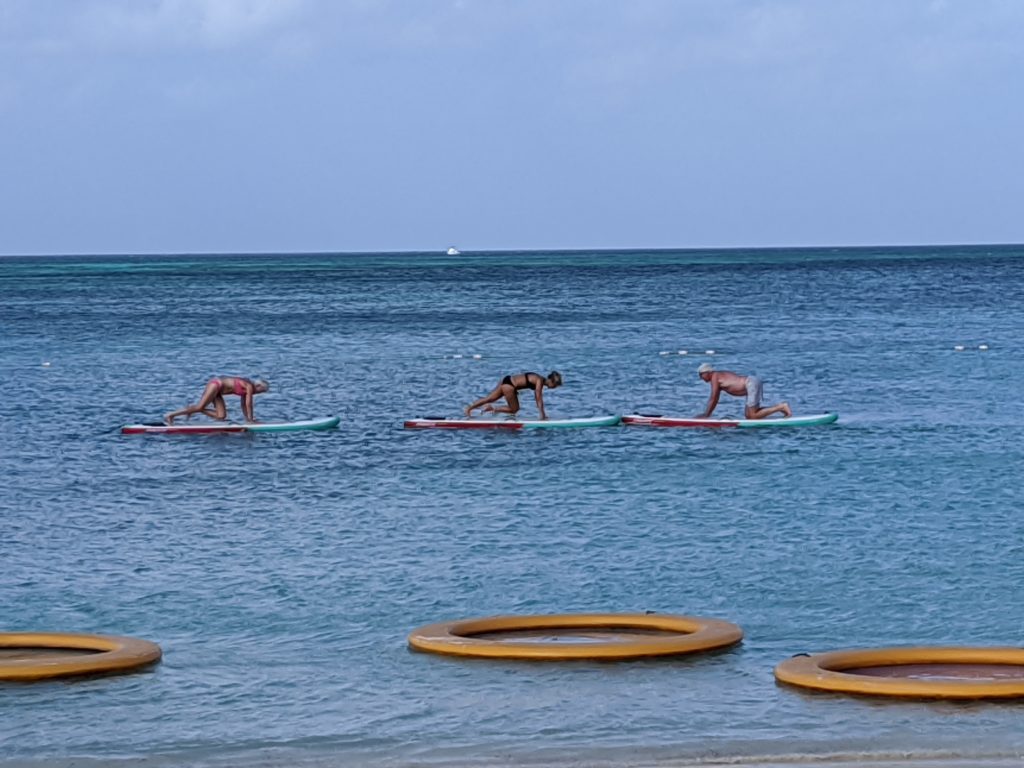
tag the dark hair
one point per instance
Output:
(556, 377)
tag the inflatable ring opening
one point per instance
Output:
(652, 635)
(938, 672)
(104, 654)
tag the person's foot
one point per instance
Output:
(169, 419)
(786, 410)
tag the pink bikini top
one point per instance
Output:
(238, 388)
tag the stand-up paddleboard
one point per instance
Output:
(217, 427)
(444, 423)
(646, 420)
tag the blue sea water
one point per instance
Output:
(282, 573)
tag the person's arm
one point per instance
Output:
(247, 405)
(539, 397)
(716, 392)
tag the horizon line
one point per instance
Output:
(443, 251)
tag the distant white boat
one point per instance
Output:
(453, 251)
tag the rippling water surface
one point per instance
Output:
(281, 573)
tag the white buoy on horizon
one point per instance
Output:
(709, 352)
(983, 347)
(664, 353)
(46, 364)
(959, 348)
(477, 357)
(682, 352)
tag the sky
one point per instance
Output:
(206, 126)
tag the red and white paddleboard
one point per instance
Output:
(505, 423)
(646, 420)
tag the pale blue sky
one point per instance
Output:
(158, 126)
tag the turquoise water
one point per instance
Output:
(282, 573)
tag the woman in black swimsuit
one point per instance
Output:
(509, 389)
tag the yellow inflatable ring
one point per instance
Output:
(926, 672)
(659, 635)
(109, 654)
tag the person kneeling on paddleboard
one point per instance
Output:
(214, 393)
(509, 388)
(737, 386)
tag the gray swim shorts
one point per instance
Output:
(753, 392)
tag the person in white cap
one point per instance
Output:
(737, 386)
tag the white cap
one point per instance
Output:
(704, 368)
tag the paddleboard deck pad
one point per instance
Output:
(219, 427)
(446, 423)
(647, 420)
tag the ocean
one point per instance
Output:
(282, 573)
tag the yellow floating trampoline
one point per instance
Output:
(920, 672)
(29, 656)
(576, 636)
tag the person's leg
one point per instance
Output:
(753, 409)
(220, 409)
(212, 390)
(170, 417)
(511, 398)
(494, 395)
(760, 413)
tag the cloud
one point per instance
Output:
(214, 24)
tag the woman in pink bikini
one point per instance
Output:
(214, 393)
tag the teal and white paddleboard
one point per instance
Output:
(218, 427)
